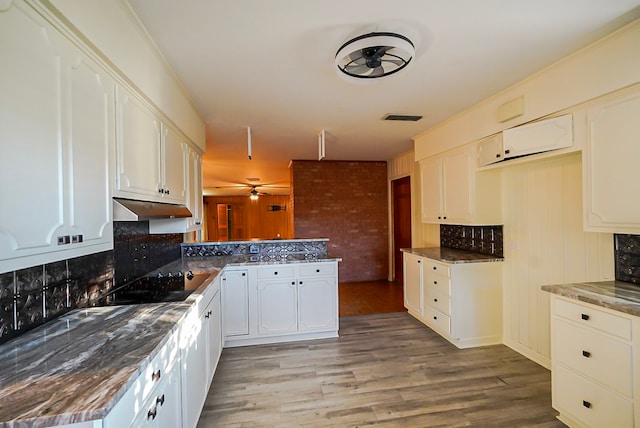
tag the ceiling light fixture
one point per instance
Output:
(373, 55)
(253, 195)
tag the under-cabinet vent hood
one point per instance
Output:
(130, 210)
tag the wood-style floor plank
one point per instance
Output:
(384, 370)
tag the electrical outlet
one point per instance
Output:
(254, 249)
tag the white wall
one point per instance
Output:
(544, 244)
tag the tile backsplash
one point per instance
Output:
(627, 258)
(32, 296)
(479, 239)
(136, 252)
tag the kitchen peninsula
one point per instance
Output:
(107, 366)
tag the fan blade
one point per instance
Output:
(397, 62)
(378, 71)
(356, 69)
(357, 58)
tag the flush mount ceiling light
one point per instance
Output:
(373, 55)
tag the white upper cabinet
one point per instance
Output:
(56, 131)
(490, 150)
(610, 165)
(453, 192)
(151, 157)
(545, 135)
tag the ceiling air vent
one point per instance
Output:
(402, 117)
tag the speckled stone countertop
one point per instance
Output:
(617, 295)
(76, 368)
(450, 255)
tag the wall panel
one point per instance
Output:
(545, 244)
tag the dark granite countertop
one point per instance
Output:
(76, 368)
(617, 295)
(450, 255)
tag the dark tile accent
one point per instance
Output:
(136, 252)
(29, 298)
(55, 289)
(627, 258)
(479, 239)
(89, 277)
(6, 306)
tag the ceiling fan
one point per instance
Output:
(255, 190)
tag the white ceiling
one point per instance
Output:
(269, 65)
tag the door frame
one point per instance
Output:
(392, 221)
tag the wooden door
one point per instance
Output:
(401, 193)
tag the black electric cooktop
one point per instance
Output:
(153, 289)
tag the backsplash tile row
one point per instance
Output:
(627, 258)
(479, 239)
(32, 296)
(264, 249)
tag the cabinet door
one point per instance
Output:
(214, 331)
(193, 365)
(195, 189)
(431, 190)
(138, 148)
(317, 304)
(174, 166)
(612, 180)
(457, 170)
(235, 297)
(277, 306)
(90, 139)
(490, 150)
(542, 136)
(413, 283)
(31, 163)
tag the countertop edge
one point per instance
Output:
(451, 255)
(615, 295)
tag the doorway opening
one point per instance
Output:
(401, 215)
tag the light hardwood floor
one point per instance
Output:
(385, 370)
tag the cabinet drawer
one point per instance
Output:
(437, 320)
(594, 354)
(153, 375)
(438, 301)
(437, 268)
(275, 272)
(313, 269)
(437, 283)
(590, 317)
(588, 402)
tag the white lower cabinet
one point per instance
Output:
(282, 302)
(460, 301)
(235, 301)
(593, 365)
(413, 283)
(157, 384)
(200, 347)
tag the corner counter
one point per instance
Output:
(595, 353)
(451, 255)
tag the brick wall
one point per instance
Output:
(347, 203)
